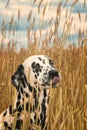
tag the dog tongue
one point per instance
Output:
(56, 79)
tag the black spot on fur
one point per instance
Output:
(23, 82)
(19, 96)
(35, 90)
(20, 70)
(35, 117)
(35, 83)
(45, 94)
(48, 100)
(10, 109)
(19, 114)
(30, 88)
(26, 94)
(43, 61)
(41, 116)
(35, 76)
(33, 108)
(20, 109)
(36, 102)
(43, 106)
(36, 68)
(9, 128)
(18, 103)
(18, 124)
(5, 124)
(5, 113)
(27, 106)
(45, 73)
(21, 90)
(38, 122)
(27, 84)
(40, 58)
(31, 121)
(18, 106)
(14, 110)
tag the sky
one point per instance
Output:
(9, 9)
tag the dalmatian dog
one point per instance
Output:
(32, 80)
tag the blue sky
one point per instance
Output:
(26, 6)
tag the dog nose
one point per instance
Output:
(53, 73)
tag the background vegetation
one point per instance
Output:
(68, 105)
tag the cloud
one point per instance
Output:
(41, 22)
(76, 22)
(3, 4)
(79, 7)
(23, 0)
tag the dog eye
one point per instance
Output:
(51, 63)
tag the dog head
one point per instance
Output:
(36, 69)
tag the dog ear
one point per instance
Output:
(18, 76)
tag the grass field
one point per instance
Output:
(68, 105)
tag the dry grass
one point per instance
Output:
(69, 101)
(68, 104)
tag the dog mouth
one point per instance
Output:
(52, 82)
(55, 80)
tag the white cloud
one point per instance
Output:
(26, 6)
(78, 24)
(2, 6)
(23, 0)
(82, 1)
